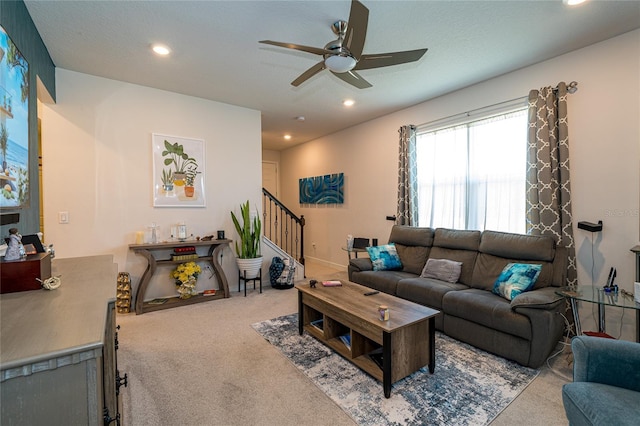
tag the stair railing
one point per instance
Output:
(282, 226)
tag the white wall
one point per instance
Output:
(604, 154)
(97, 166)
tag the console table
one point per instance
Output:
(150, 251)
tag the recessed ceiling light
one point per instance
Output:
(348, 102)
(161, 49)
(573, 2)
(287, 137)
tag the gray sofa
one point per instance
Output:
(525, 329)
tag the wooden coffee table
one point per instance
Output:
(387, 350)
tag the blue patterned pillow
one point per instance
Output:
(384, 257)
(516, 278)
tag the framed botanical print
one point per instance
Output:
(178, 171)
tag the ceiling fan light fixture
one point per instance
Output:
(340, 63)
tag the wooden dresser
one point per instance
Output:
(58, 361)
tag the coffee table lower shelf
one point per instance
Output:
(362, 357)
(386, 355)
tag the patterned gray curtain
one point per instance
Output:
(548, 184)
(407, 178)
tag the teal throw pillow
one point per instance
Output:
(384, 257)
(516, 278)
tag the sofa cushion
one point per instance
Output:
(412, 258)
(518, 246)
(516, 278)
(457, 239)
(466, 257)
(411, 236)
(542, 298)
(588, 403)
(442, 269)
(384, 258)
(385, 281)
(361, 264)
(426, 291)
(489, 267)
(488, 309)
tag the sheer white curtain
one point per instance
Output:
(472, 176)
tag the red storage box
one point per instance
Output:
(23, 274)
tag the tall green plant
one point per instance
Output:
(249, 233)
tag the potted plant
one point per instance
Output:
(249, 258)
(180, 160)
(167, 180)
(189, 179)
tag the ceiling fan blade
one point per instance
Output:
(357, 28)
(309, 49)
(308, 74)
(387, 59)
(353, 78)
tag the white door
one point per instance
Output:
(270, 177)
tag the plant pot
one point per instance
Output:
(168, 187)
(189, 191)
(178, 179)
(251, 266)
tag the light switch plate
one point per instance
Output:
(63, 217)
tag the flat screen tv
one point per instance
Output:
(14, 125)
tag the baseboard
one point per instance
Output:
(325, 263)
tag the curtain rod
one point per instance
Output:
(469, 113)
(571, 88)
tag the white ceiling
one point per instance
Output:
(216, 54)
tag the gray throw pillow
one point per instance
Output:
(442, 269)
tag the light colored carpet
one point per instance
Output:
(204, 365)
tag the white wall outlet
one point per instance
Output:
(63, 217)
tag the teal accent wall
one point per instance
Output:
(16, 21)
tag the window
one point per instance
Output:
(472, 175)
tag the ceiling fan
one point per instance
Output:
(343, 57)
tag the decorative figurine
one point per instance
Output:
(15, 250)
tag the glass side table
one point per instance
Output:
(354, 250)
(592, 294)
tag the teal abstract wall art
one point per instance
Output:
(327, 189)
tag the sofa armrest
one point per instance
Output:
(607, 361)
(542, 298)
(361, 264)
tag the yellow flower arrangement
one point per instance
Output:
(186, 275)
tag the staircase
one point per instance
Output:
(283, 228)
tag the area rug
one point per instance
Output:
(468, 387)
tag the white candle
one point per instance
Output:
(182, 231)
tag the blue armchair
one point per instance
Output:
(606, 383)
